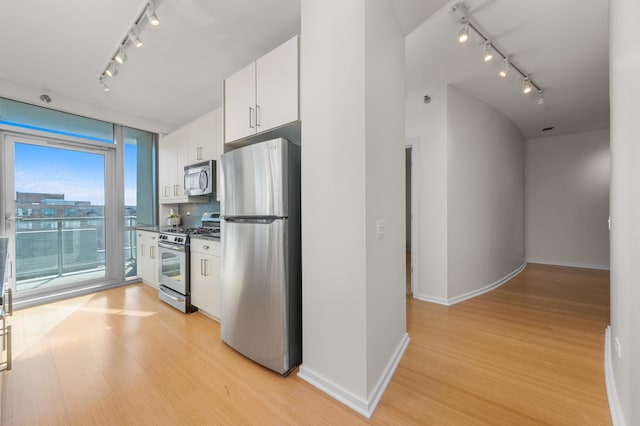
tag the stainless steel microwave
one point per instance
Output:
(200, 178)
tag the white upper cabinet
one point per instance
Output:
(277, 87)
(172, 157)
(202, 144)
(240, 104)
(263, 95)
(198, 141)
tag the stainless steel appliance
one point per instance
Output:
(174, 261)
(199, 178)
(173, 269)
(261, 306)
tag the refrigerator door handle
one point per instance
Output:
(260, 220)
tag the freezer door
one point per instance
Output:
(256, 293)
(255, 180)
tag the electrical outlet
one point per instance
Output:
(618, 347)
(380, 229)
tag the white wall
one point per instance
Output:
(625, 203)
(352, 88)
(333, 193)
(471, 194)
(485, 195)
(385, 158)
(567, 199)
(427, 124)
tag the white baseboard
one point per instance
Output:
(474, 293)
(360, 405)
(569, 264)
(612, 393)
(438, 300)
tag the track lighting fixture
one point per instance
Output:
(459, 12)
(487, 52)
(132, 38)
(506, 69)
(103, 83)
(121, 56)
(111, 71)
(151, 14)
(135, 40)
(463, 34)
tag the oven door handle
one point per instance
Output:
(170, 296)
(174, 247)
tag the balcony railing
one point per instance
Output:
(47, 248)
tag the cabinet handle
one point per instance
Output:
(257, 115)
(142, 249)
(251, 118)
(202, 271)
(175, 189)
(10, 269)
(10, 298)
(166, 191)
(152, 252)
(205, 247)
(7, 303)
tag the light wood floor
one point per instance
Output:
(530, 352)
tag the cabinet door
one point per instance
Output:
(202, 138)
(181, 150)
(277, 86)
(240, 104)
(205, 276)
(147, 249)
(167, 163)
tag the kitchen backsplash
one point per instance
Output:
(195, 212)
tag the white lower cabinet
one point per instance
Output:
(205, 276)
(147, 257)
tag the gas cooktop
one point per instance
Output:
(192, 231)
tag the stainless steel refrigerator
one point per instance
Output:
(261, 305)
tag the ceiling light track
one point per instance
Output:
(132, 38)
(459, 12)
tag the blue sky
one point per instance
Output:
(78, 175)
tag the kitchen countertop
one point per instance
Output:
(157, 228)
(204, 237)
(150, 228)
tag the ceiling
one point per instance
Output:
(60, 48)
(563, 45)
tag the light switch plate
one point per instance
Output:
(380, 229)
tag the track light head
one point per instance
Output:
(506, 69)
(151, 15)
(121, 56)
(487, 52)
(526, 86)
(540, 97)
(111, 71)
(463, 34)
(135, 40)
(103, 83)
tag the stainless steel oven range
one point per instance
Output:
(174, 283)
(173, 269)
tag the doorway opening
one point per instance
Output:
(56, 213)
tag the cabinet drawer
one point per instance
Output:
(209, 247)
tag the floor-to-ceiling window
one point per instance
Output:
(73, 188)
(139, 189)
